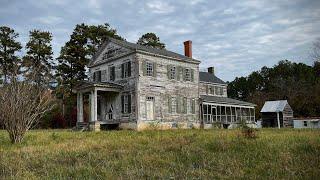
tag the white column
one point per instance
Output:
(278, 120)
(93, 105)
(80, 107)
(102, 108)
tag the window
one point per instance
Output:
(149, 69)
(172, 74)
(211, 90)
(305, 123)
(97, 76)
(187, 74)
(126, 69)
(112, 71)
(126, 103)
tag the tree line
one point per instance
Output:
(296, 82)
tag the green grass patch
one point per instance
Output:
(178, 154)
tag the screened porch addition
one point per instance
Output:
(226, 114)
(226, 110)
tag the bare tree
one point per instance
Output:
(22, 105)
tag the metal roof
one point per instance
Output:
(225, 100)
(274, 106)
(208, 77)
(136, 47)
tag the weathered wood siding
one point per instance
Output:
(129, 84)
(161, 88)
(204, 89)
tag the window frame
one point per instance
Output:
(187, 74)
(149, 68)
(173, 72)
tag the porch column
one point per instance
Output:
(93, 105)
(79, 107)
(278, 120)
(103, 108)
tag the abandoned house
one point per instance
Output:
(135, 87)
(277, 114)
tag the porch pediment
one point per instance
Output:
(87, 86)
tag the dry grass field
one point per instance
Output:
(178, 154)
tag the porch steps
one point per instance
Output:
(82, 126)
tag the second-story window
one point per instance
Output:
(211, 90)
(126, 69)
(187, 74)
(149, 69)
(112, 71)
(97, 76)
(172, 74)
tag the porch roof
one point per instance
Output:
(102, 86)
(225, 100)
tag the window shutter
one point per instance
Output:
(193, 106)
(129, 103)
(122, 104)
(94, 77)
(169, 104)
(185, 105)
(207, 89)
(144, 68)
(122, 70)
(178, 104)
(178, 73)
(183, 74)
(129, 69)
(168, 71)
(154, 69)
(192, 75)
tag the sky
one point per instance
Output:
(236, 37)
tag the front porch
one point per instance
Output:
(102, 98)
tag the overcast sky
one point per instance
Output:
(236, 37)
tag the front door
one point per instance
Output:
(150, 108)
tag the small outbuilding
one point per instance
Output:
(277, 114)
(306, 122)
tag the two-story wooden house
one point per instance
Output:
(134, 86)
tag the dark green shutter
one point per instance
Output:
(144, 68)
(122, 70)
(193, 106)
(207, 89)
(122, 104)
(192, 75)
(129, 103)
(129, 69)
(169, 104)
(154, 69)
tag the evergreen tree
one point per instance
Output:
(38, 60)
(75, 55)
(151, 40)
(8, 48)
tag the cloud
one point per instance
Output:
(236, 37)
(160, 7)
(49, 20)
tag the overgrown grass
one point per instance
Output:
(179, 154)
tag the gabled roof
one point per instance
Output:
(274, 106)
(137, 47)
(211, 78)
(225, 100)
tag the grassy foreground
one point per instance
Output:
(179, 154)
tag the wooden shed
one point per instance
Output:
(277, 114)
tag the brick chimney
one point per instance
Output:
(211, 70)
(188, 48)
